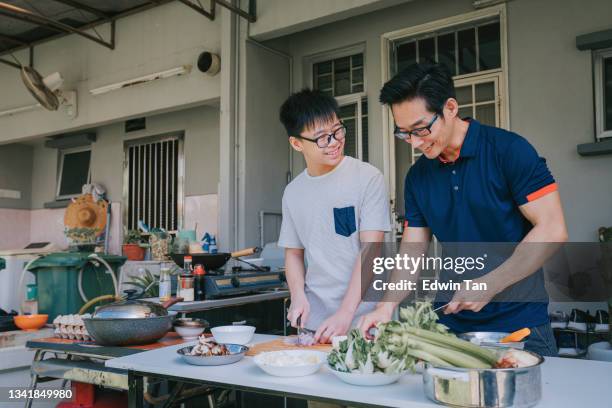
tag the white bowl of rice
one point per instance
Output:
(291, 363)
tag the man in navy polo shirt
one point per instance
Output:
(475, 183)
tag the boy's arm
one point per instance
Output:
(294, 272)
(339, 323)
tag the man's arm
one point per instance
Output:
(417, 240)
(546, 215)
(294, 273)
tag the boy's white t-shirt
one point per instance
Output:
(323, 215)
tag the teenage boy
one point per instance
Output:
(475, 183)
(329, 209)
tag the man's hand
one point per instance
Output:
(299, 308)
(382, 314)
(471, 299)
(337, 324)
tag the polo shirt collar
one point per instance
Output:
(469, 147)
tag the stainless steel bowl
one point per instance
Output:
(491, 339)
(504, 387)
(237, 352)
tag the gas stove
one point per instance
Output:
(243, 280)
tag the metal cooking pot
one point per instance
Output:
(130, 322)
(502, 387)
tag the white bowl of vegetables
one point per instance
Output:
(358, 361)
(290, 363)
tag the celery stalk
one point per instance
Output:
(454, 342)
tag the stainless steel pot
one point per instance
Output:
(130, 322)
(505, 387)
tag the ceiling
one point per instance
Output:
(15, 33)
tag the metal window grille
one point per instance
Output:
(153, 182)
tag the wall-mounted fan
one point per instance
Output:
(47, 90)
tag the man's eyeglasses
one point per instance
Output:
(418, 132)
(324, 140)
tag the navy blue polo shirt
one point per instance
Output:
(477, 199)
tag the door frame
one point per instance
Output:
(387, 40)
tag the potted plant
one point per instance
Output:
(82, 238)
(132, 247)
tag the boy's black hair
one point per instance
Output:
(432, 82)
(304, 108)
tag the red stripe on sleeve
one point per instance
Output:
(542, 192)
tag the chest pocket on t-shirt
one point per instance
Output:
(344, 221)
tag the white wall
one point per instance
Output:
(550, 87)
(157, 39)
(283, 17)
(551, 102)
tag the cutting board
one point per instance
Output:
(279, 344)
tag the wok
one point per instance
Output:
(130, 322)
(214, 261)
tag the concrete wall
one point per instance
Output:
(283, 17)
(265, 157)
(201, 127)
(551, 102)
(550, 87)
(158, 39)
(16, 174)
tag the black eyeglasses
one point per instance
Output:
(324, 140)
(418, 132)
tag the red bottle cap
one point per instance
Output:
(199, 270)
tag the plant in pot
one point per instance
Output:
(605, 237)
(132, 246)
(82, 238)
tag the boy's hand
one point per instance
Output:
(337, 324)
(299, 308)
(381, 314)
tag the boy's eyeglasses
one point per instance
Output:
(418, 132)
(324, 140)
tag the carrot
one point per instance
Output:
(516, 336)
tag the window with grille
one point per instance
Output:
(339, 76)
(463, 50)
(603, 93)
(153, 182)
(343, 78)
(356, 144)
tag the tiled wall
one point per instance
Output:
(14, 228)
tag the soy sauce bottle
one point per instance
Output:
(199, 284)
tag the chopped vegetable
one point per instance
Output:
(398, 345)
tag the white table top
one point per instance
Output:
(565, 382)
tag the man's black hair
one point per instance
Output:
(431, 82)
(304, 108)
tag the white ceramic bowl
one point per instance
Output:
(189, 333)
(233, 334)
(265, 362)
(366, 379)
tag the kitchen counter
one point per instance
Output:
(198, 306)
(565, 382)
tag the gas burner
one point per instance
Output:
(250, 269)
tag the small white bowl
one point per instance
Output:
(369, 380)
(262, 360)
(233, 334)
(189, 333)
